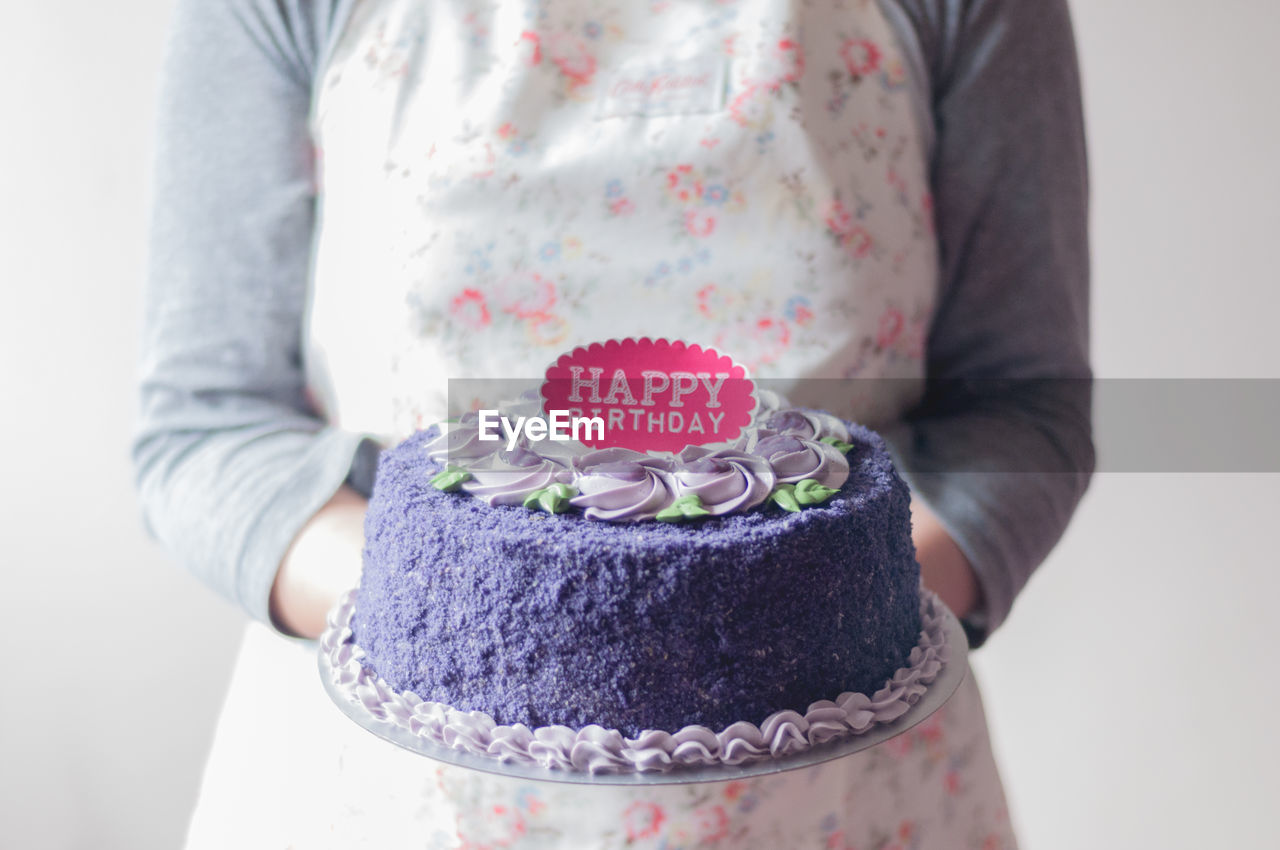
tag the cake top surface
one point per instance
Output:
(793, 457)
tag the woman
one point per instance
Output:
(358, 201)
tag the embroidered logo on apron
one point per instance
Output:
(672, 86)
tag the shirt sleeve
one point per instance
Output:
(229, 457)
(1001, 446)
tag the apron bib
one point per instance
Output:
(504, 180)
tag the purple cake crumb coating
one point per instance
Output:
(547, 619)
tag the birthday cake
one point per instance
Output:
(605, 608)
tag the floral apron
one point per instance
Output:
(502, 180)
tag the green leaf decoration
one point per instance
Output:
(686, 507)
(553, 499)
(784, 497)
(450, 478)
(844, 447)
(810, 491)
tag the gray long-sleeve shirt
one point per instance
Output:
(231, 461)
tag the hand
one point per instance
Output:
(945, 569)
(323, 561)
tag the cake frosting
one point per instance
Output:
(788, 446)
(557, 587)
(595, 749)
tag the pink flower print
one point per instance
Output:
(546, 329)
(616, 200)
(789, 56)
(857, 242)
(770, 337)
(926, 210)
(535, 54)
(839, 219)
(836, 841)
(930, 730)
(861, 56)
(751, 107)
(889, 327)
(797, 310)
(712, 303)
(507, 130)
(853, 237)
(572, 57)
(526, 294)
(733, 790)
(469, 308)
(700, 222)
(502, 827)
(684, 184)
(511, 821)
(899, 746)
(951, 782)
(642, 820)
(713, 823)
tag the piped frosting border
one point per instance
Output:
(784, 449)
(594, 749)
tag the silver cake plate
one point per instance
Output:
(937, 694)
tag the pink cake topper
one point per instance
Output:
(653, 395)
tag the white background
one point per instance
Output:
(1132, 694)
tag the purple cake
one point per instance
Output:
(554, 590)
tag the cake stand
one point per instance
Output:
(938, 691)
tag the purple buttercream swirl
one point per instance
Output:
(460, 444)
(808, 424)
(593, 749)
(726, 481)
(621, 484)
(505, 478)
(793, 459)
